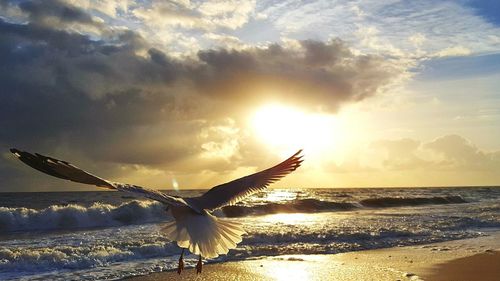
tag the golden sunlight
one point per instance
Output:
(286, 128)
(296, 271)
(288, 218)
(278, 195)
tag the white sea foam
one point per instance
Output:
(76, 216)
(77, 257)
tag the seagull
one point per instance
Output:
(194, 226)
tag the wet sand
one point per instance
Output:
(470, 259)
(485, 267)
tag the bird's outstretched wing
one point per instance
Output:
(64, 170)
(232, 192)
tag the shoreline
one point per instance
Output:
(468, 259)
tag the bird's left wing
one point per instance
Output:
(232, 192)
(64, 170)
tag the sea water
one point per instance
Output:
(110, 235)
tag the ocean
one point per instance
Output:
(110, 235)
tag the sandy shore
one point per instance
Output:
(471, 259)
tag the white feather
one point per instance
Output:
(203, 234)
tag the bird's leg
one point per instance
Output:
(199, 265)
(180, 268)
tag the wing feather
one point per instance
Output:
(65, 170)
(234, 191)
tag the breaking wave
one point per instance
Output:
(76, 216)
(411, 201)
(297, 206)
(75, 257)
(314, 205)
(57, 217)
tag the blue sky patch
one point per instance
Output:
(459, 67)
(488, 9)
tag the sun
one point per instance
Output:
(285, 128)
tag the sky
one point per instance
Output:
(190, 94)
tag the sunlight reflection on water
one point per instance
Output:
(280, 195)
(296, 218)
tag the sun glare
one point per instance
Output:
(288, 218)
(286, 128)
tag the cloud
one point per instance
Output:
(202, 16)
(107, 7)
(56, 15)
(224, 41)
(229, 13)
(165, 13)
(116, 99)
(315, 74)
(453, 51)
(77, 81)
(457, 153)
(385, 26)
(42, 12)
(446, 153)
(400, 154)
(352, 162)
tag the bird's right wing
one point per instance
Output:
(64, 170)
(234, 191)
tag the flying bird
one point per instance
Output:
(194, 226)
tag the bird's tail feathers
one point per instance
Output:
(205, 235)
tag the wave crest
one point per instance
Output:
(137, 212)
(313, 205)
(298, 206)
(76, 216)
(78, 257)
(410, 201)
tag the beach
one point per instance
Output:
(458, 260)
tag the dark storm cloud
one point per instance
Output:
(58, 85)
(40, 11)
(316, 74)
(118, 100)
